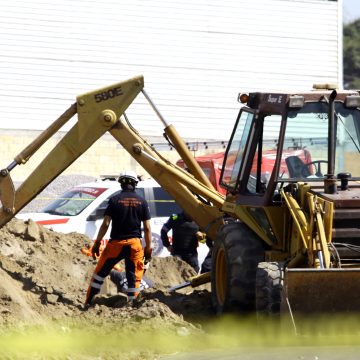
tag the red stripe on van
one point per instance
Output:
(53, 221)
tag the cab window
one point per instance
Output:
(235, 150)
(265, 155)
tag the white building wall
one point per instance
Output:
(195, 55)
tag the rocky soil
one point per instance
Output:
(43, 281)
(44, 277)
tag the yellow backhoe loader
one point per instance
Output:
(286, 235)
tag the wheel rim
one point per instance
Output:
(221, 276)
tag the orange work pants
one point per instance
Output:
(132, 252)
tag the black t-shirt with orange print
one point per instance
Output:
(127, 210)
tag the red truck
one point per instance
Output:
(212, 164)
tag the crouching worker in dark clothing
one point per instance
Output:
(185, 238)
(120, 280)
(126, 211)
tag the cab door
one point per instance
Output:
(251, 165)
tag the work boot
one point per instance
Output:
(85, 307)
(137, 302)
(131, 302)
(134, 302)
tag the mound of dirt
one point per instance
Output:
(44, 276)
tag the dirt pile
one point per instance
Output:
(44, 276)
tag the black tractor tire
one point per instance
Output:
(236, 254)
(269, 286)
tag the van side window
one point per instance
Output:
(104, 204)
(140, 191)
(164, 204)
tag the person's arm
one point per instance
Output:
(147, 237)
(102, 231)
(147, 233)
(164, 237)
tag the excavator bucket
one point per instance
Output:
(317, 291)
(7, 191)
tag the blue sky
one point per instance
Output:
(351, 10)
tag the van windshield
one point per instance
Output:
(73, 202)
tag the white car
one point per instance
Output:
(81, 209)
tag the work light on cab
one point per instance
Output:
(243, 98)
(352, 101)
(296, 101)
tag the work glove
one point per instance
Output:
(86, 250)
(147, 254)
(201, 237)
(95, 250)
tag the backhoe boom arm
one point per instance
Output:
(98, 112)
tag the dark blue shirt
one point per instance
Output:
(127, 210)
(184, 229)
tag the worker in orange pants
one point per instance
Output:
(126, 211)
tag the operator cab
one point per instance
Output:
(280, 139)
(283, 140)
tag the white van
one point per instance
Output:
(81, 209)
